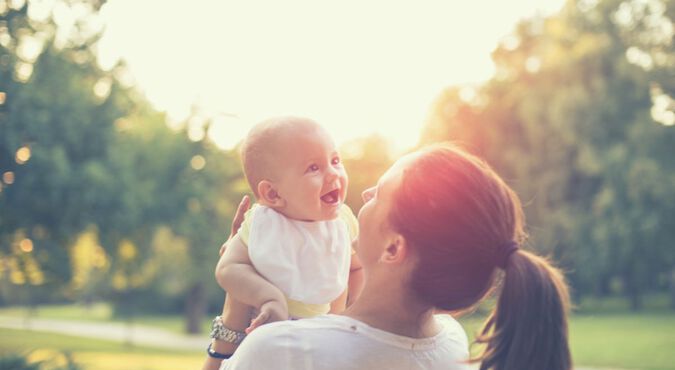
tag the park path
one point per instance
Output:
(122, 332)
(114, 331)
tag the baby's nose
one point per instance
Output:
(332, 174)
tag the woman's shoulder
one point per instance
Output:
(306, 335)
(452, 329)
(322, 326)
(285, 345)
(330, 342)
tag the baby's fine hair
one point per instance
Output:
(260, 147)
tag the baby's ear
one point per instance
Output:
(269, 195)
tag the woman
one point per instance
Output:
(434, 233)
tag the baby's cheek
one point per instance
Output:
(319, 183)
(344, 179)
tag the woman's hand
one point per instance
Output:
(237, 220)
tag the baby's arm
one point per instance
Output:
(355, 284)
(236, 275)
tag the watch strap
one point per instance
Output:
(221, 332)
(214, 354)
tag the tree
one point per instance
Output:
(82, 153)
(572, 119)
(365, 160)
(56, 122)
(171, 185)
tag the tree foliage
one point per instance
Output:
(55, 124)
(579, 118)
(90, 171)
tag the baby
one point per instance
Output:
(292, 255)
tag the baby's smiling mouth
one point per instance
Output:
(331, 197)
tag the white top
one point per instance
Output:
(308, 261)
(332, 342)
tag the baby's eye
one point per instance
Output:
(335, 161)
(312, 168)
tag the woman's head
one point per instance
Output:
(456, 213)
(453, 212)
(460, 222)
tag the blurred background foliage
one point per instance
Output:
(101, 200)
(579, 120)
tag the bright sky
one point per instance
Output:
(357, 67)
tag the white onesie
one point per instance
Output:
(307, 260)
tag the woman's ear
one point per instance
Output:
(269, 195)
(397, 250)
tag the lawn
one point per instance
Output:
(642, 341)
(633, 341)
(610, 340)
(95, 354)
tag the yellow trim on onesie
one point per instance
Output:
(301, 310)
(346, 214)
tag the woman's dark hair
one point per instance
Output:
(463, 223)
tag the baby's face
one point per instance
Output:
(313, 182)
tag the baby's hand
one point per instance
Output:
(270, 311)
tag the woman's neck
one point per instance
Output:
(386, 308)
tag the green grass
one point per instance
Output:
(95, 354)
(643, 341)
(632, 341)
(21, 340)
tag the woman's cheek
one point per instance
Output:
(365, 240)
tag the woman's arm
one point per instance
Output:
(212, 363)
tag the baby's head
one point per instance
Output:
(292, 166)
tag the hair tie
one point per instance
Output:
(504, 252)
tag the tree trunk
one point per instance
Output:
(672, 288)
(195, 308)
(634, 293)
(635, 300)
(604, 286)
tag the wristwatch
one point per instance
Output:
(221, 332)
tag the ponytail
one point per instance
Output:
(528, 327)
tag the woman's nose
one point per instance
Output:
(367, 194)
